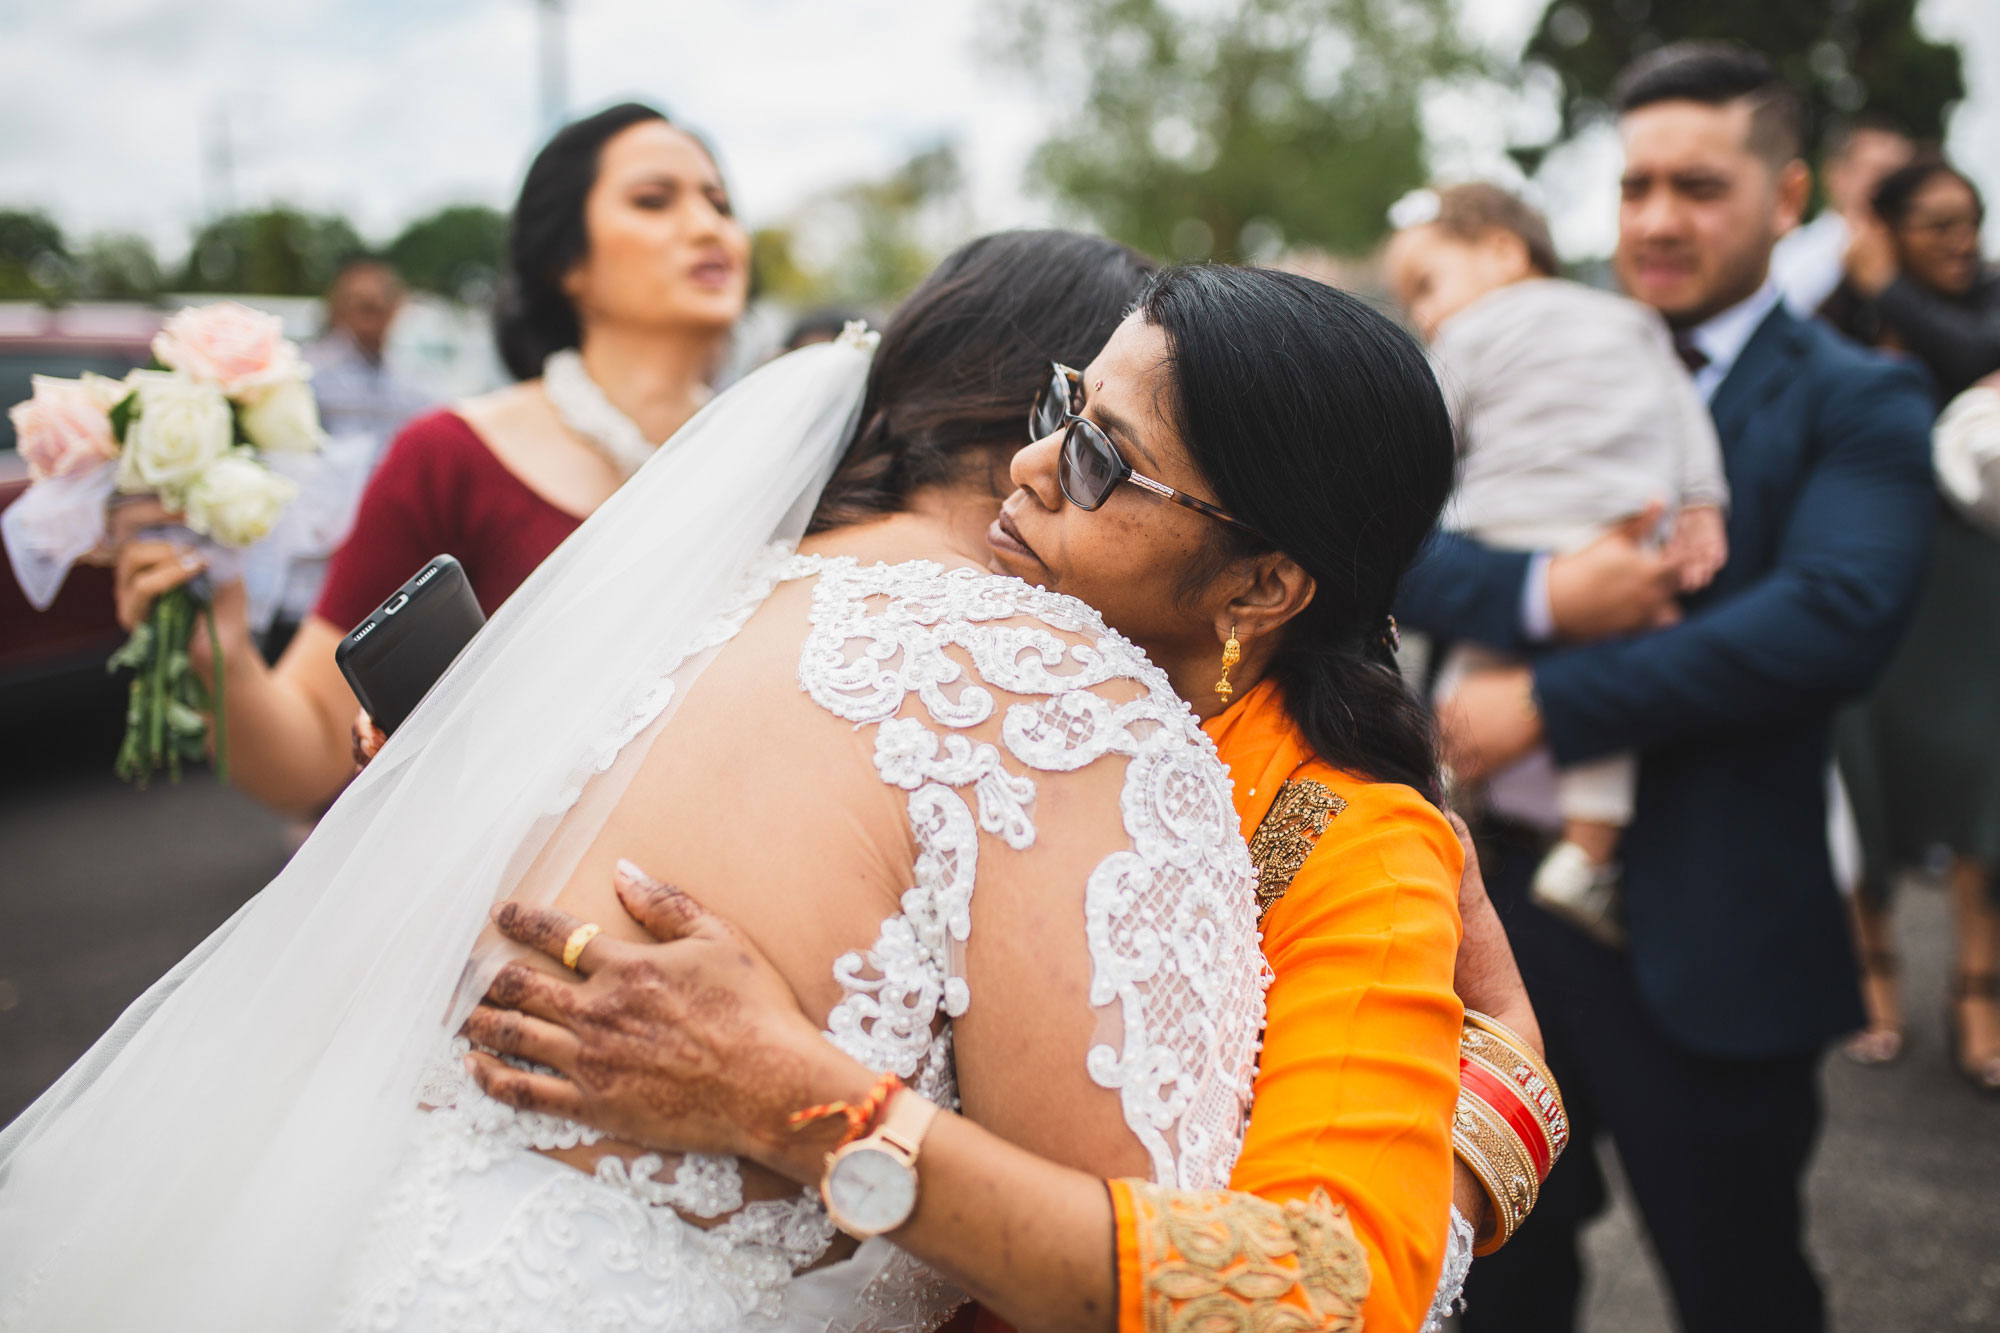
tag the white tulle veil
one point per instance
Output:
(207, 1163)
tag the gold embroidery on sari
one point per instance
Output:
(1217, 1261)
(1291, 829)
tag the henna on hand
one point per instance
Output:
(692, 1044)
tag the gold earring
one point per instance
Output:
(1232, 653)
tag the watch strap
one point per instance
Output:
(905, 1121)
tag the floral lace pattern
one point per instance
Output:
(481, 1232)
(1170, 921)
(1449, 1299)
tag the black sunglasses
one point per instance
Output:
(1091, 468)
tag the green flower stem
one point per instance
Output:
(156, 718)
(219, 722)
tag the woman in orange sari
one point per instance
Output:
(1236, 484)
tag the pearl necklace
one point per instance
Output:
(581, 406)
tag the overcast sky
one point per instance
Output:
(111, 110)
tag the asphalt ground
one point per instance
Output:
(102, 888)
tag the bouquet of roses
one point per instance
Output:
(227, 389)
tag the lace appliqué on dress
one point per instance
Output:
(1451, 1281)
(481, 1233)
(1169, 921)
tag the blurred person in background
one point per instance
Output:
(627, 272)
(1915, 280)
(1573, 416)
(1698, 1047)
(362, 404)
(1854, 158)
(1921, 758)
(358, 394)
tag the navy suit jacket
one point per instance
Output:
(1739, 943)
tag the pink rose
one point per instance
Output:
(64, 428)
(231, 345)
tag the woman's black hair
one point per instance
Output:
(547, 236)
(963, 356)
(1319, 423)
(1898, 190)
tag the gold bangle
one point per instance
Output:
(1496, 1158)
(1504, 1053)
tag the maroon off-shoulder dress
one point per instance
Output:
(440, 491)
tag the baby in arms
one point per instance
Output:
(1574, 414)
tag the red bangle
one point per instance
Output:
(1505, 1101)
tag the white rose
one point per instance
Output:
(283, 419)
(182, 426)
(237, 500)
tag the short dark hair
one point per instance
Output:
(1893, 196)
(360, 261)
(1716, 74)
(962, 358)
(1470, 210)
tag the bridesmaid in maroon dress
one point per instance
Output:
(628, 271)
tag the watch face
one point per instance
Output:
(871, 1191)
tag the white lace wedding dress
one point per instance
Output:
(482, 1233)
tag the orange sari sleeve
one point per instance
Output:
(1338, 1207)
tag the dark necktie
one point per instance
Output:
(1691, 356)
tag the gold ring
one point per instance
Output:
(579, 937)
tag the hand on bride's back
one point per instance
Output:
(692, 1044)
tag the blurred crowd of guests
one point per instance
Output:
(1694, 522)
(1643, 697)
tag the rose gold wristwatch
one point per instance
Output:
(870, 1185)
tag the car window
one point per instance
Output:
(18, 367)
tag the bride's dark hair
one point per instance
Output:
(961, 359)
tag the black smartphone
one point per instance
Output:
(392, 658)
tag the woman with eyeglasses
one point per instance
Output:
(1237, 481)
(1921, 758)
(873, 739)
(1915, 281)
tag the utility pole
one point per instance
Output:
(221, 163)
(555, 63)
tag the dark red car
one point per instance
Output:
(48, 654)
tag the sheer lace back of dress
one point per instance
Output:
(919, 651)
(484, 1232)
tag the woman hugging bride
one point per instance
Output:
(978, 832)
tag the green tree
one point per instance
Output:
(866, 243)
(1232, 130)
(457, 251)
(1844, 55)
(277, 251)
(118, 267)
(35, 262)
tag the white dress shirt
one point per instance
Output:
(1808, 262)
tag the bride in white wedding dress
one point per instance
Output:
(974, 828)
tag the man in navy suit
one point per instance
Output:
(1697, 1048)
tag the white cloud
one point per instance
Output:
(383, 109)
